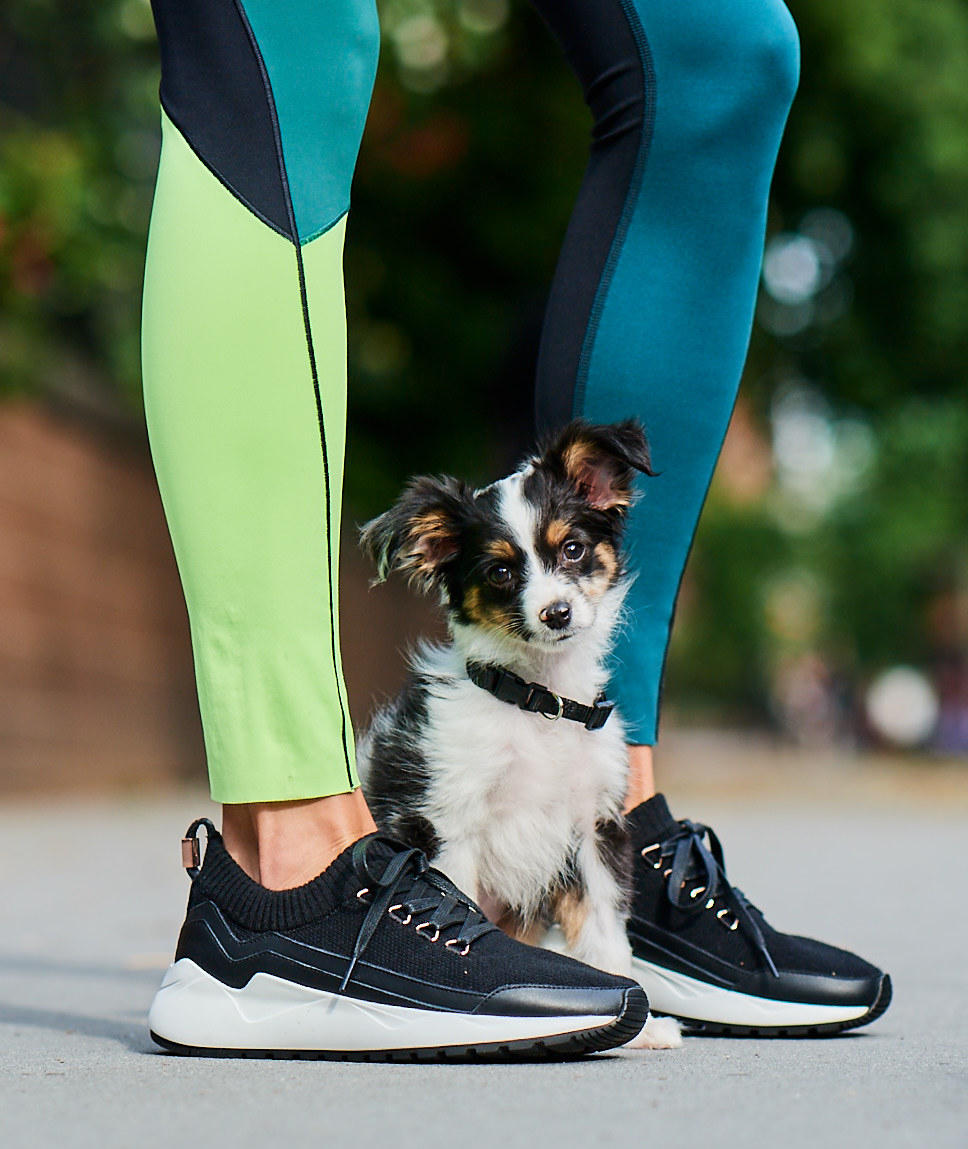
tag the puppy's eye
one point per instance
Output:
(500, 577)
(572, 551)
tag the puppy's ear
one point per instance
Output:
(600, 460)
(420, 534)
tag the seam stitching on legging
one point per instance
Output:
(307, 327)
(625, 221)
(233, 191)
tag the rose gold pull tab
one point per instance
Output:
(191, 848)
(191, 853)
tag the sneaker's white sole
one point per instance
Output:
(194, 1010)
(686, 997)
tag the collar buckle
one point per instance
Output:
(601, 708)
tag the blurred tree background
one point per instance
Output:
(834, 547)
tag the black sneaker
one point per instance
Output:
(380, 957)
(707, 956)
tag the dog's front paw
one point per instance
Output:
(657, 1033)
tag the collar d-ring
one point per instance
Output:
(561, 708)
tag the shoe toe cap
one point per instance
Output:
(616, 1000)
(823, 971)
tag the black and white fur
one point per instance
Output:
(522, 812)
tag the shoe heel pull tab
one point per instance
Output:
(191, 849)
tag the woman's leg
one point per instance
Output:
(245, 371)
(355, 948)
(652, 304)
(650, 316)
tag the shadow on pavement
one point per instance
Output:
(62, 1021)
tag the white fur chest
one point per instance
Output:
(515, 790)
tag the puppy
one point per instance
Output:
(501, 757)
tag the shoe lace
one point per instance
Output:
(408, 883)
(692, 860)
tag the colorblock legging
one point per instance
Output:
(264, 103)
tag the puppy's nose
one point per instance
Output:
(557, 615)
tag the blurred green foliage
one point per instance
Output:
(78, 151)
(473, 153)
(879, 131)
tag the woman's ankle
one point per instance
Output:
(641, 777)
(286, 844)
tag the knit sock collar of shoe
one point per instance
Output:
(693, 861)
(378, 871)
(651, 820)
(254, 906)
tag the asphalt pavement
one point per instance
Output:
(93, 895)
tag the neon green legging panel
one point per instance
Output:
(251, 488)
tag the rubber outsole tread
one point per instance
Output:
(693, 1027)
(562, 1047)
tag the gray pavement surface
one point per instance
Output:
(93, 894)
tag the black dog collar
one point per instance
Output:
(530, 696)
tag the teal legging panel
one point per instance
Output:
(318, 57)
(652, 306)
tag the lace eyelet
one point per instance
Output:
(396, 917)
(721, 915)
(456, 941)
(710, 903)
(409, 877)
(648, 850)
(697, 891)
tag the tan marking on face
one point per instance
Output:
(607, 559)
(485, 613)
(472, 602)
(570, 910)
(502, 550)
(596, 584)
(556, 533)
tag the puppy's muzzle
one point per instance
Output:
(556, 616)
